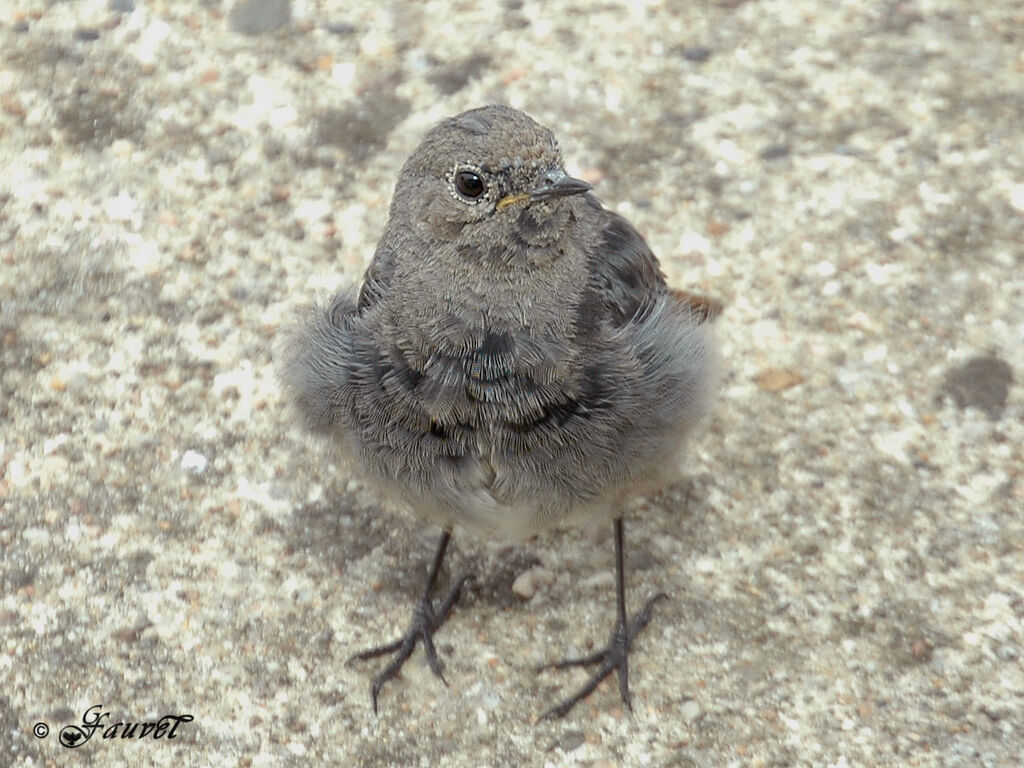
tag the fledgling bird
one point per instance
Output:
(513, 360)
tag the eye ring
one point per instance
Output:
(468, 184)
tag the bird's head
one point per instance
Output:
(489, 181)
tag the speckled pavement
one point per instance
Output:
(844, 552)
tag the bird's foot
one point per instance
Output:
(425, 622)
(614, 657)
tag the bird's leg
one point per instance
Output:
(615, 656)
(425, 622)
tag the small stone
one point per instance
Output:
(54, 444)
(774, 152)
(524, 586)
(570, 740)
(777, 379)
(193, 461)
(529, 582)
(340, 28)
(696, 53)
(690, 711)
(255, 17)
(1016, 196)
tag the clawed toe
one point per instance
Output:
(613, 657)
(425, 623)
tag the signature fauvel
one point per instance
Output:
(95, 719)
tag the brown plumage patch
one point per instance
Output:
(704, 308)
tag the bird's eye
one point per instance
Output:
(470, 185)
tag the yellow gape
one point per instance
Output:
(505, 202)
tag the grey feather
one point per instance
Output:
(503, 367)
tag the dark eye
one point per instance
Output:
(470, 185)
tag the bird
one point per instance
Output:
(513, 360)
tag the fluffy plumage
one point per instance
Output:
(512, 360)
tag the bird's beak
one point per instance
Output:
(558, 183)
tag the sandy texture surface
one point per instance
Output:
(845, 552)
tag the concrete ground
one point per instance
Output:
(844, 552)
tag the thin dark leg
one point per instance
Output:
(425, 622)
(615, 656)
